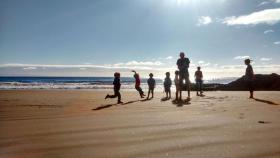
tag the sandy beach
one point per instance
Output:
(80, 123)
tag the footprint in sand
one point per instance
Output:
(241, 116)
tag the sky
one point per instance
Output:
(99, 37)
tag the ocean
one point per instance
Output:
(7, 83)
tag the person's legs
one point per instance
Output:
(188, 85)
(118, 94)
(169, 93)
(141, 93)
(197, 87)
(152, 93)
(149, 93)
(251, 89)
(111, 96)
(200, 87)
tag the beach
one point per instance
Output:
(80, 123)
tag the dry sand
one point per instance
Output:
(62, 123)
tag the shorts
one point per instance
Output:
(167, 89)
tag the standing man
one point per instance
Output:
(249, 77)
(183, 66)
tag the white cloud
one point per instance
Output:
(127, 65)
(277, 42)
(268, 16)
(268, 31)
(266, 59)
(169, 57)
(210, 71)
(269, 2)
(204, 20)
(141, 63)
(263, 3)
(201, 62)
(242, 57)
(29, 68)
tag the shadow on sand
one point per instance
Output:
(165, 99)
(265, 101)
(181, 103)
(110, 105)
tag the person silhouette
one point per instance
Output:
(249, 77)
(177, 85)
(117, 86)
(183, 65)
(137, 84)
(151, 83)
(167, 85)
(198, 79)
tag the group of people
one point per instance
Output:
(182, 81)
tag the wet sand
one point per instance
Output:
(80, 123)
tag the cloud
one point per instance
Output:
(277, 42)
(142, 63)
(269, 2)
(169, 57)
(210, 71)
(268, 16)
(128, 65)
(204, 20)
(263, 3)
(268, 31)
(201, 62)
(29, 68)
(242, 57)
(266, 59)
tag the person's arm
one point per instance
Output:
(178, 64)
(251, 72)
(188, 62)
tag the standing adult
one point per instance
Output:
(249, 77)
(183, 64)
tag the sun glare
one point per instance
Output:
(180, 2)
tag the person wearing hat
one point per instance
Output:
(183, 66)
(198, 79)
(151, 83)
(249, 77)
(117, 86)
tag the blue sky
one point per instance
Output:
(98, 37)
